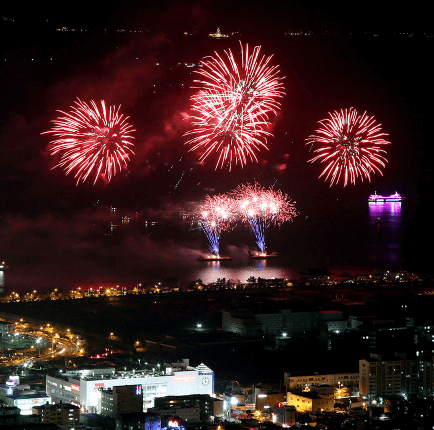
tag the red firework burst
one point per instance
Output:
(269, 205)
(351, 146)
(233, 106)
(91, 140)
(219, 209)
(261, 207)
(216, 214)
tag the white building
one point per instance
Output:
(6, 328)
(83, 388)
(21, 396)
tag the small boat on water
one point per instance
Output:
(262, 255)
(213, 258)
(4, 266)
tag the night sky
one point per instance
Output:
(355, 58)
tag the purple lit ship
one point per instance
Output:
(376, 198)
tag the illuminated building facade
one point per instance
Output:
(198, 407)
(397, 378)
(266, 402)
(27, 401)
(310, 402)
(285, 415)
(84, 388)
(21, 396)
(350, 380)
(59, 413)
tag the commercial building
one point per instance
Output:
(26, 401)
(58, 413)
(21, 396)
(83, 388)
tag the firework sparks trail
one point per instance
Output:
(261, 207)
(351, 146)
(216, 215)
(232, 108)
(91, 140)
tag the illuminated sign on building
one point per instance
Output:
(75, 387)
(138, 390)
(180, 379)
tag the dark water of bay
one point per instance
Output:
(355, 237)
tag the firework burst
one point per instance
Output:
(216, 214)
(233, 105)
(351, 145)
(91, 141)
(261, 207)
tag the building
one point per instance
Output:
(350, 380)
(249, 324)
(6, 328)
(299, 322)
(83, 388)
(265, 402)
(333, 321)
(310, 402)
(58, 413)
(207, 407)
(285, 415)
(21, 396)
(395, 378)
(138, 421)
(241, 322)
(11, 416)
(121, 400)
(187, 414)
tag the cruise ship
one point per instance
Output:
(376, 198)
